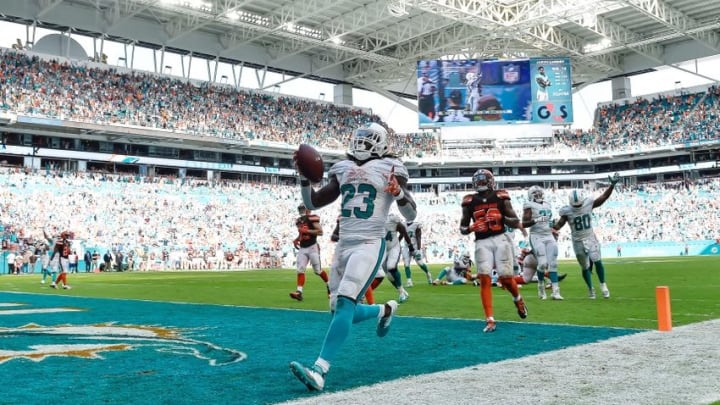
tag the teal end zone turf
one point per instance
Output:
(166, 353)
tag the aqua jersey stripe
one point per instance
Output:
(378, 263)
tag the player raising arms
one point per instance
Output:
(537, 214)
(490, 210)
(369, 181)
(308, 225)
(585, 244)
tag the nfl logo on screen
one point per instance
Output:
(511, 74)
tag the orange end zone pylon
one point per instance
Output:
(662, 297)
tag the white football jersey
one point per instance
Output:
(364, 204)
(579, 219)
(412, 228)
(461, 265)
(392, 236)
(539, 210)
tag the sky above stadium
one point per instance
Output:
(398, 117)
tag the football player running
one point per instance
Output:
(490, 210)
(369, 181)
(537, 215)
(578, 214)
(308, 226)
(413, 251)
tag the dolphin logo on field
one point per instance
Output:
(89, 341)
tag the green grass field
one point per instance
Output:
(694, 287)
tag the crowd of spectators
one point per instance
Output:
(165, 223)
(152, 223)
(74, 90)
(78, 91)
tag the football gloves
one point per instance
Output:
(614, 179)
(478, 226)
(393, 187)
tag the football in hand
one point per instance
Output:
(309, 163)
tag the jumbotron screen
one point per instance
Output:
(475, 92)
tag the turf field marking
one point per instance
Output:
(36, 311)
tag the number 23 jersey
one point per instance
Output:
(364, 204)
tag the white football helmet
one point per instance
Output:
(465, 258)
(469, 77)
(576, 197)
(483, 180)
(535, 193)
(368, 141)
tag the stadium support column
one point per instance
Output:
(343, 94)
(621, 88)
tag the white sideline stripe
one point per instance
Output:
(10, 304)
(36, 311)
(677, 367)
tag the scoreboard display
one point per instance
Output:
(476, 92)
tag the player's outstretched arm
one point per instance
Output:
(608, 191)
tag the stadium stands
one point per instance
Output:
(186, 223)
(197, 223)
(43, 87)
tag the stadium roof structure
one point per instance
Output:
(375, 44)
